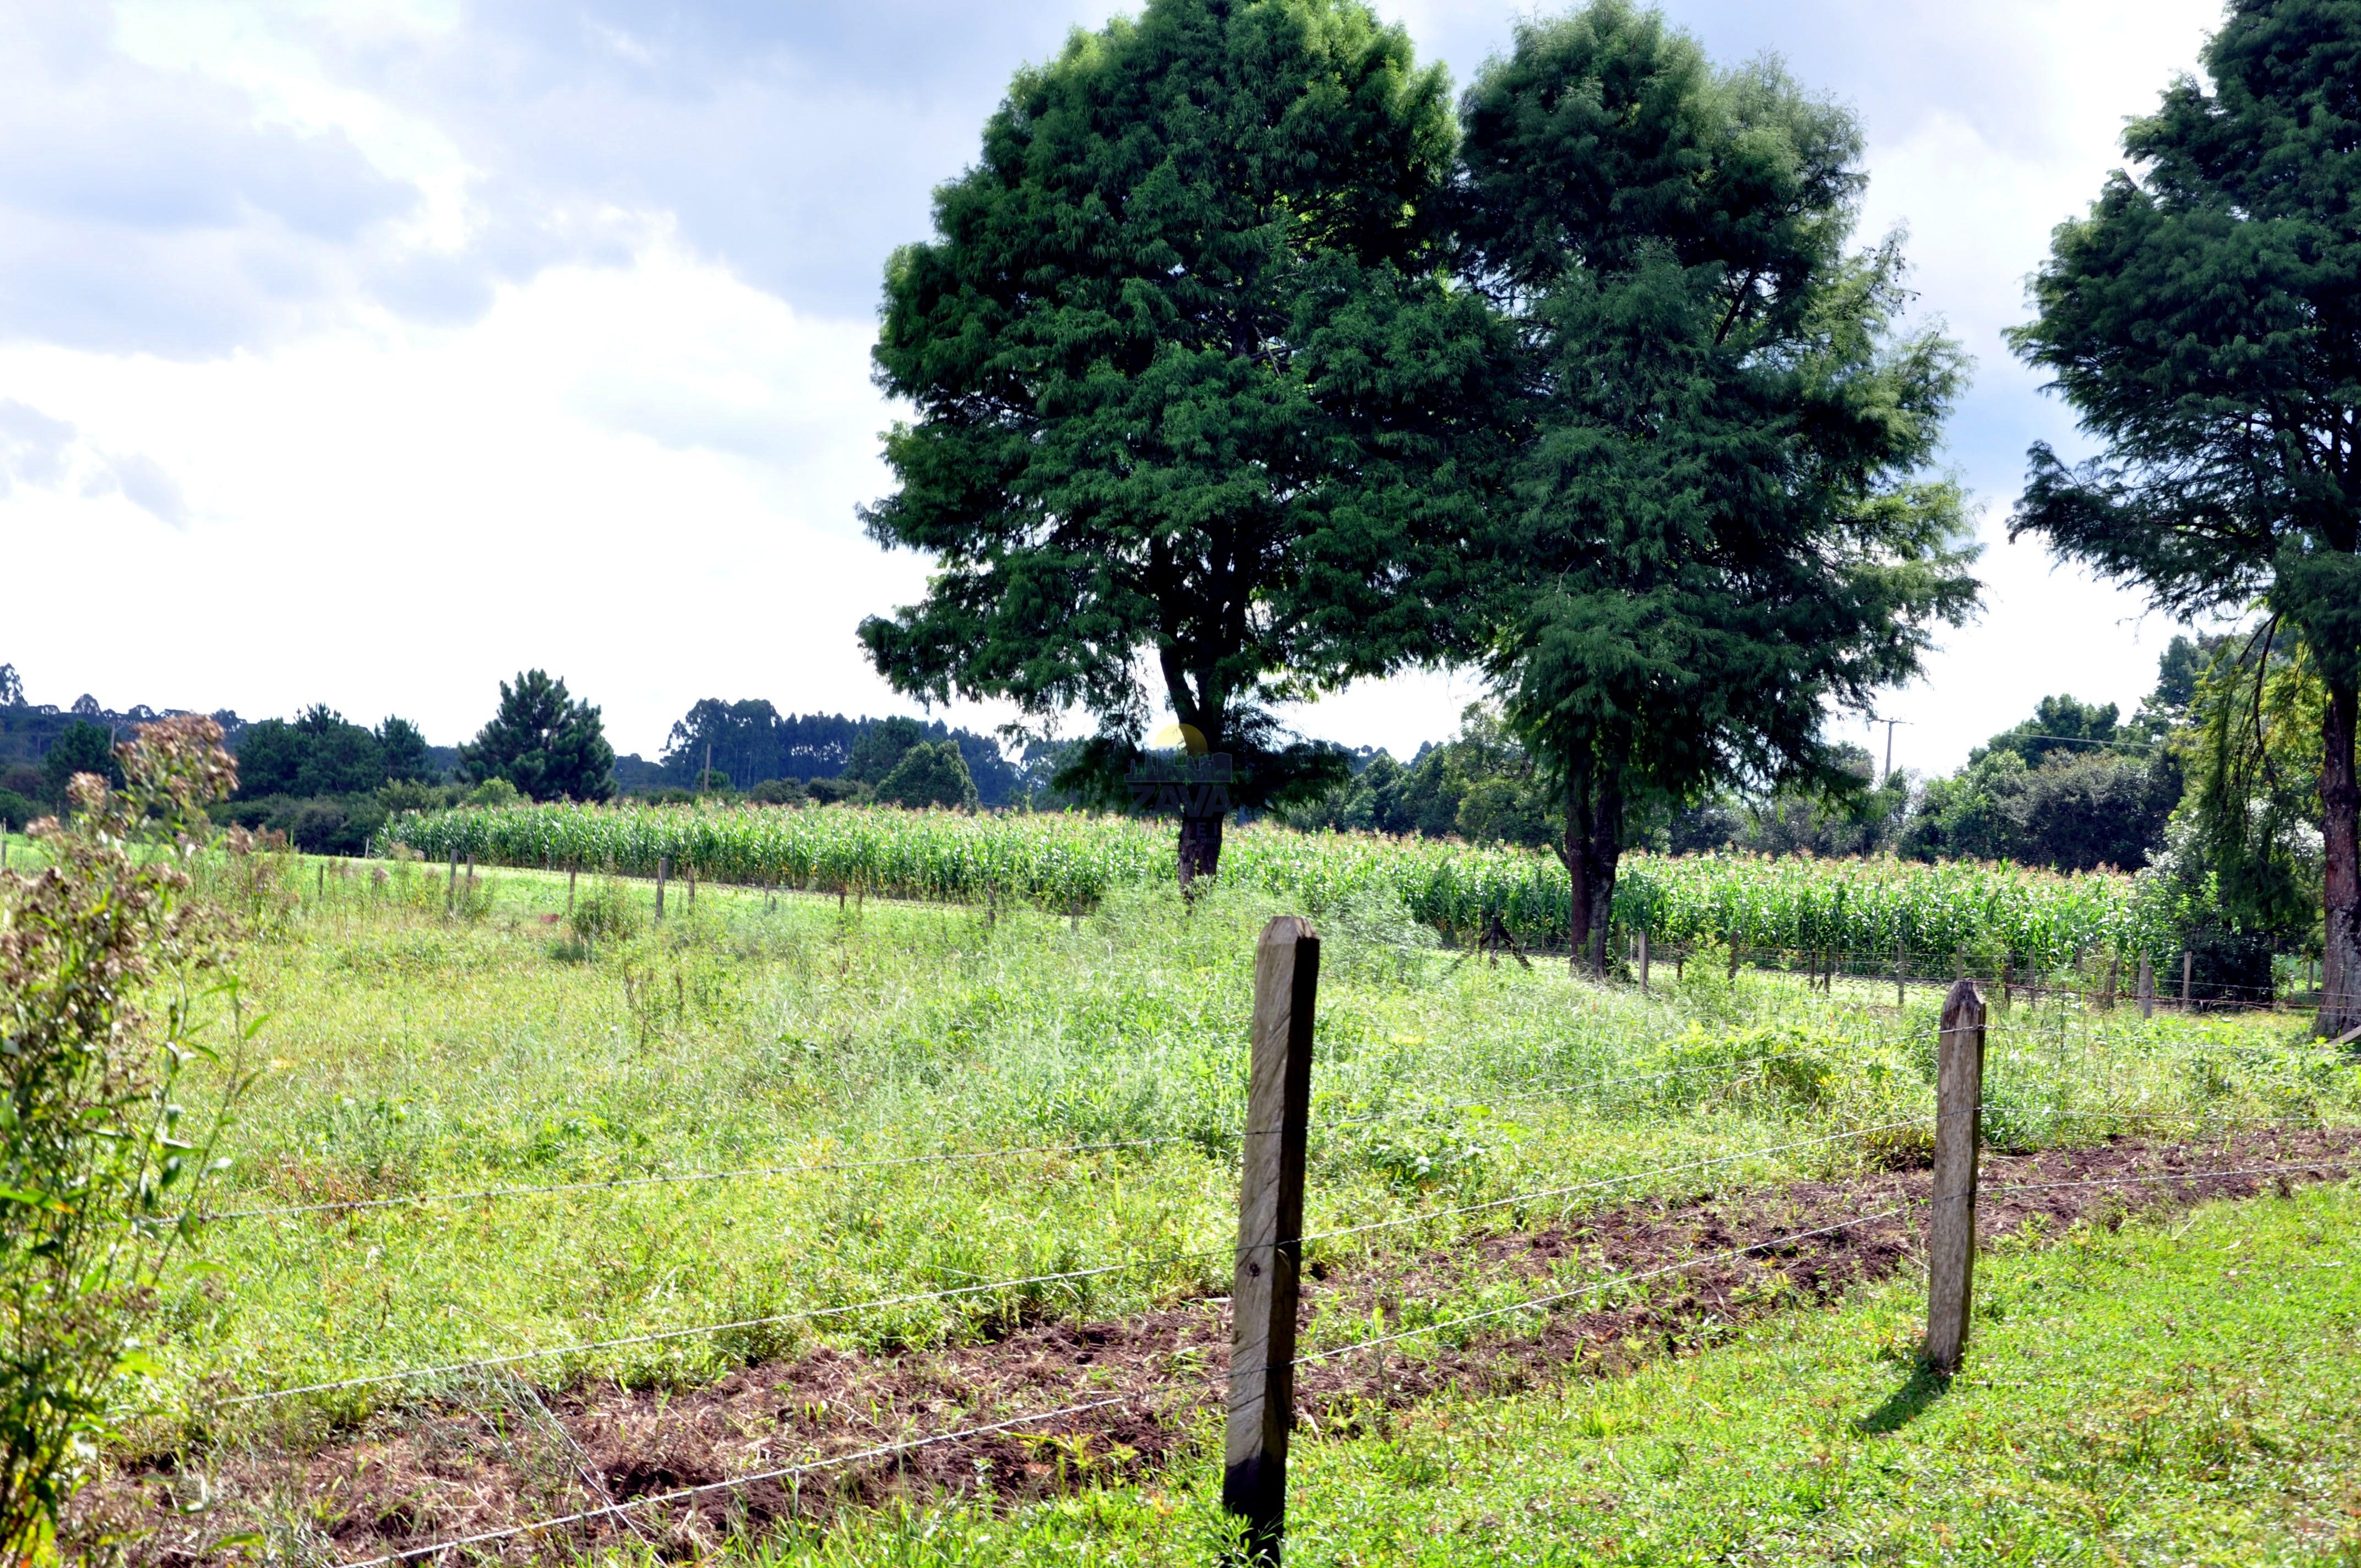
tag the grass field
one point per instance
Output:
(409, 1053)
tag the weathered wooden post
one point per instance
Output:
(1901, 971)
(1270, 1224)
(571, 872)
(664, 869)
(451, 889)
(1951, 1216)
(2188, 973)
(1643, 958)
(2146, 987)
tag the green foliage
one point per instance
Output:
(2061, 727)
(931, 772)
(1721, 523)
(2254, 816)
(2074, 813)
(82, 747)
(1191, 389)
(493, 794)
(2203, 319)
(606, 911)
(15, 811)
(1063, 861)
(542, 741)
(99, 1167)
(777, 792)
(403, 746)
(880, 748)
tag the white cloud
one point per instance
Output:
(450, 340)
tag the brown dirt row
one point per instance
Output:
(501, 1454)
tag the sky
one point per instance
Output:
(367, 351)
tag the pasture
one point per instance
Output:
(508, 1172)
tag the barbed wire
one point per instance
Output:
(2171, 1176)
(682, 1494)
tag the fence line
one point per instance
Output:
(404, 1375)
(1596, 1286)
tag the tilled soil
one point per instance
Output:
(504, 1455)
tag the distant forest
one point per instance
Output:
(753, 741)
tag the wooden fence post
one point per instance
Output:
(571, 872)
(664, 869)
(2188, 972)
(1643, 959)
(692, 884)
(1901, 970)
(1270, 1224)
(1951, 1216)
(2146, 987)
(451, 889)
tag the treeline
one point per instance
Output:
(330, 784)
(746, 746)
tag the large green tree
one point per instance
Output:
(1719, 526)
(549, 745)
(2204, 321)
(1194, 397)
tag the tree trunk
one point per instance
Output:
(2340, 802)
(1594, 848)
(1201, 847)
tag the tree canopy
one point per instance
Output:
(542, 740)
(1193, 392)
(2204, 321)
(1719, 525)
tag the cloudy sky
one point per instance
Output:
(366, 351)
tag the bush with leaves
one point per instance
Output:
(106, 956)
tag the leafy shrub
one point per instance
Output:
(98, 1173)
(777, 792)
(931, 773)
(16, 810)
(494, 794)
(605, 913)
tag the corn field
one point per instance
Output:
(1932, 916)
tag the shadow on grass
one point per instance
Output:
(1907, 1403)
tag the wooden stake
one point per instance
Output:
(1951, 1217)
(664, 869)
(450, 890)
(1901, 975)
(692, 884)
(1271, 1222)
(2114, 977)
(2146, 987)
(571, 872)
(2188, 973)
(1643, 959)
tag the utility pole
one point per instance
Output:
(1889, 724)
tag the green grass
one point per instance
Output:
(2180, 1395)
(409, 1050)
(409, 1053)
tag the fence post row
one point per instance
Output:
(1271, 1226)
(1951, 1216)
